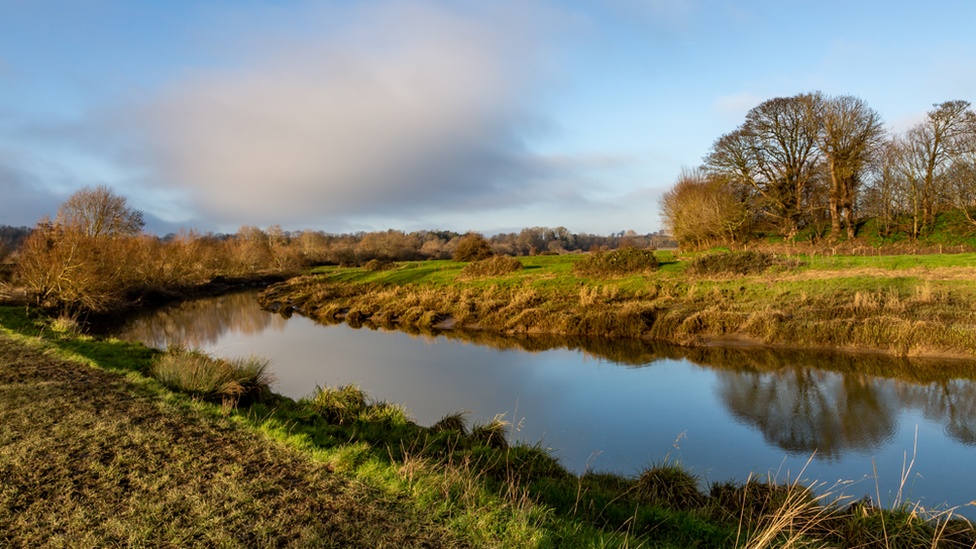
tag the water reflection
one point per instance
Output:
(803, 410)
(742, 408)
(201, 323)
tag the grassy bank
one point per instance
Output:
(904, 305)
(105, 443)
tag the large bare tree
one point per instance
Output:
(850, 134)
(933, 145)
(98, 212)
(774, 154)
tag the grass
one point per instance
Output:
(214, 379)
(97, 458)
(96, 452)
(902, 305)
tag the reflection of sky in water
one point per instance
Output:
(730, 422)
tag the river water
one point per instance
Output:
(604, 405)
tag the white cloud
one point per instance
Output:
(417, 108)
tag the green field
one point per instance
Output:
(905, 305)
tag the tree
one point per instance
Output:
(773, 155)
(473, 247)
(883, 198)
(849, 135)
(933, 144)
(99, 212)
(701, 208)
(961, 179)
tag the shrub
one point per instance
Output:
(473, 247)
(378, 265)
(737, 263)
(493, 266)
(624, 261)
(214, 379)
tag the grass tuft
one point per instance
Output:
(492, 433)
(452, 422)
(214, 379)
(669, 485)
(338, 405)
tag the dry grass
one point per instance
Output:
(214, 379)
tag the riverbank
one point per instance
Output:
(100, 451)
(900, 305)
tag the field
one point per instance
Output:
(906, 305)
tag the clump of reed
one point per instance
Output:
(452, 422)
(620, 262)
(214, 379)
(668, 484)
(498, 265)
(491, 433)
(346, 404)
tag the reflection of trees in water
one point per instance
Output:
(801, 409)
(833, 402)
(799, 400)
(951, 403)
(201, 322)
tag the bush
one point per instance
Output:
(737, 263)
(378, 265)
(473, 247)
(214, 379)
(493, 266)
(625, 261)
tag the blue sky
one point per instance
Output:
(462, 115)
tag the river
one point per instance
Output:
(605, 405)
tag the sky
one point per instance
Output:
(483, 115)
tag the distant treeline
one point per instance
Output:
(94, 256)
(816, 166)
(11, 237)
(319, 248)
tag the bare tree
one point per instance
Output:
(883, 198)
(100, 212)
(961, 178)
(849, 135)
(933, 144)
(773, 154)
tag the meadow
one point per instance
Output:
(907, 305)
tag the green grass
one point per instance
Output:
(95, 453)
(912, 305)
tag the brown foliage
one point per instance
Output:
(473, 247)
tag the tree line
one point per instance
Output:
(95, 256)
(819, 160)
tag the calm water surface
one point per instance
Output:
(621, 405)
